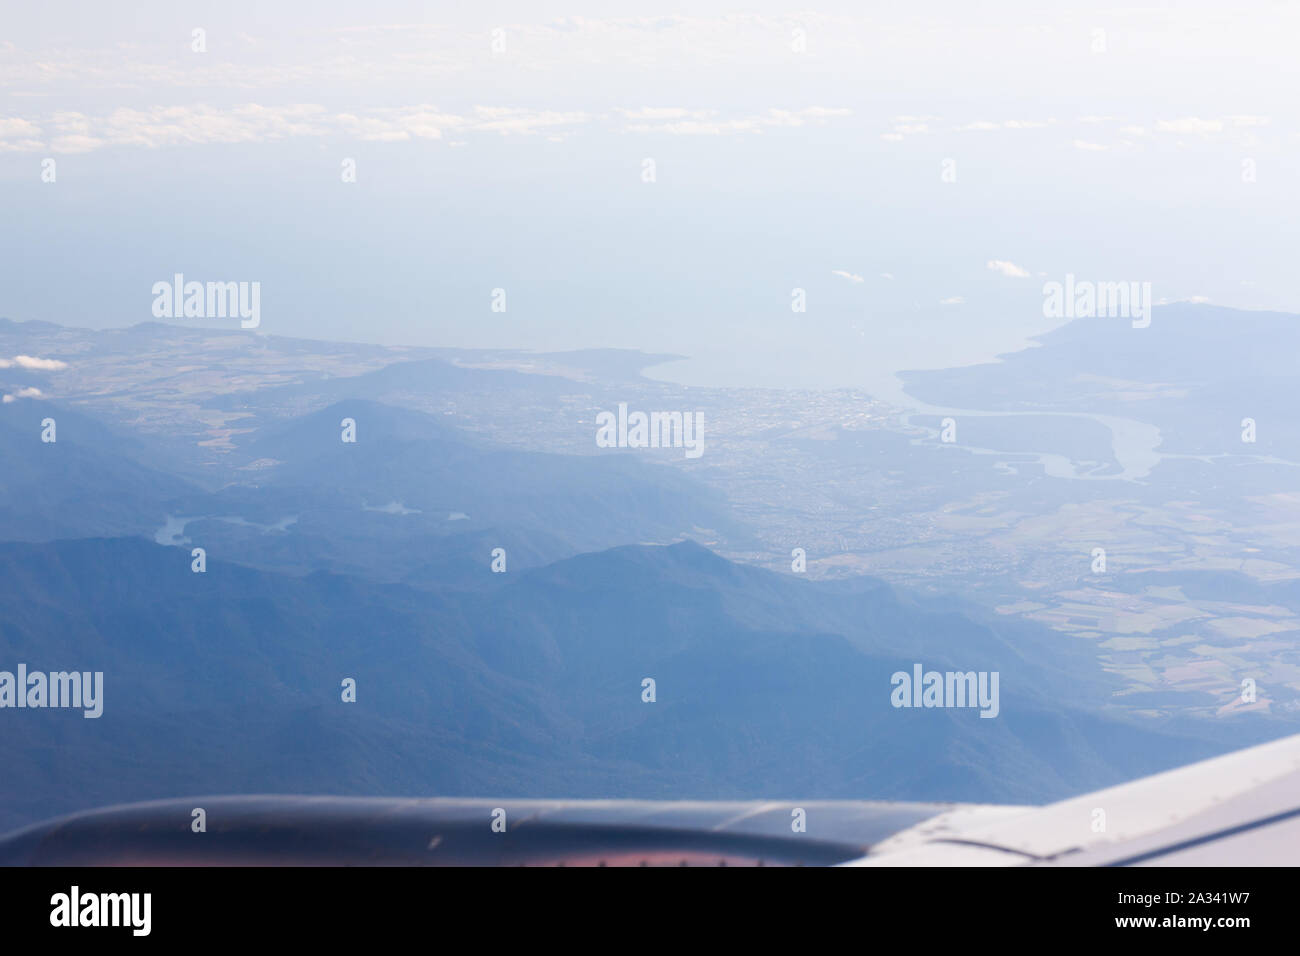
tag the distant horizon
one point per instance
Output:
(674, 368)
(789, 198)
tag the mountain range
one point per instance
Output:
(231, 680)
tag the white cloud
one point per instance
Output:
(954, 300)
(666, 113)
(904, 126)
(510, 120)
(705, 123)
(31, 362)
(826, 112)
(1190, 124)
(846, 275)
(163, 126)
(22, 393)
(17, 127)
(1091, 147)
(697, 128)
(1009, 269)
(1006, 124)
(19, 135)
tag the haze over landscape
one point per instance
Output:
(459, 253)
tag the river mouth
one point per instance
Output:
(1131, 450)
(1133, 445)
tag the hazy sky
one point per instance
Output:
(791, 148)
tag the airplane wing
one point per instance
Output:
(332, 831)
(1239, 809)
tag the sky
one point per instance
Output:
(919, 170)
